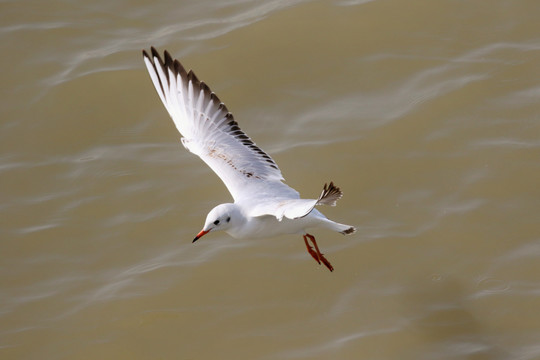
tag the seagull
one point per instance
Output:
(264, 206)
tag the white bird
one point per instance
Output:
(263, 205)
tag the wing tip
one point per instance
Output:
(168, 62)
(330, 195)
(154, 52)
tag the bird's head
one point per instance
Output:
(219, 218)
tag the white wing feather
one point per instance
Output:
(291, 208)
(209, 131)
(297, 208)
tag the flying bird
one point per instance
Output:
(264, 206)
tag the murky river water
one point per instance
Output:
(426, 113)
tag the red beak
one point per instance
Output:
(202, 233)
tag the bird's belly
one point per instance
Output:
(269, 226)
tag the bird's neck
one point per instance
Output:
(238, 220)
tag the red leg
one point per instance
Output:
(311, 252)
(319, 254)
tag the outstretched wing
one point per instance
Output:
(209, 131)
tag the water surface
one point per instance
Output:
(425, 113)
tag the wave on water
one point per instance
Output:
(92, 39)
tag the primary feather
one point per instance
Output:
(210, 131)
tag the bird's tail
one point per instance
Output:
(329, 196)
(341, 228)
(345, 229)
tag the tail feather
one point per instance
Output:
(349, 230)
(329, 196)
(341, 228)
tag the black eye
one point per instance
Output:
(228, 219)
(216, 222)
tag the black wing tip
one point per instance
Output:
(330, 195)
(154, 52)
(166, 59)
(175, 66)
(193, 78)
(168, 62)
